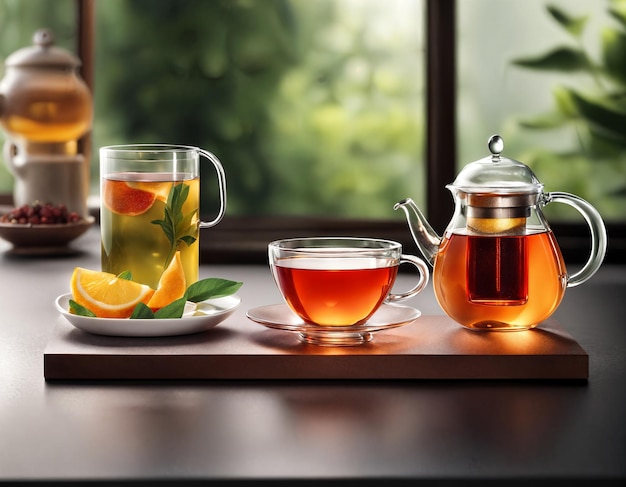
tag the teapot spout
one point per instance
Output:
(425, 237)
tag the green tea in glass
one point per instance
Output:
(150, 208)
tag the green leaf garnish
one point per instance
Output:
(178, 228)
(126, 275)
(173, 310)
(79, 309)
(211, 288)
(202, 290)
(141, 311)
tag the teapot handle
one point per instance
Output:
(598, 234)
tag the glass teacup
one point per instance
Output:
(340, 281)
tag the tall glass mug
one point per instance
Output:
(150, 208)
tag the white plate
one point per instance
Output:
(196, 318)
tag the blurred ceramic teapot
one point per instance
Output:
(498, 265)
(45, 107)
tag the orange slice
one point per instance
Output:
(160, 189)
(106, 295)
(120, 198)
(172, 285)
(495, 225)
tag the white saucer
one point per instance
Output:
(197, 317)
(280, 317)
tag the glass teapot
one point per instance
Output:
(498, 265)
(44, 102)
(45, 108)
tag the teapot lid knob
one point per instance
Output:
(43, 38)
(43, 54)
(496, 174)
(496, 146)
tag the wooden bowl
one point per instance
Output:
(43, 238)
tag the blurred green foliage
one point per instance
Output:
(596, 169)
(317, 106)
(308, 113)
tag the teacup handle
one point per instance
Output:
(221, 179)
(596, 227)
(421, 284)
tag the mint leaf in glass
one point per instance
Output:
(176, 226)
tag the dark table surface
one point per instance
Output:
(390, 431)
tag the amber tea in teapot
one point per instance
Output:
(498, 265)
(521, 278)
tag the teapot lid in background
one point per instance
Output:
(496, 174)
(43, 53)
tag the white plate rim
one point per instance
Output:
(188, 324)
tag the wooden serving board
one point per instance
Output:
(431, 347)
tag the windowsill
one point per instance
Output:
(243, 240)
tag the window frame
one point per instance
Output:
(243, 240)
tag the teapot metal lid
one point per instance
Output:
(497, 175)
(43, 54)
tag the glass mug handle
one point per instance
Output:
(421, 284)
(598, 234)
(221, 179)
